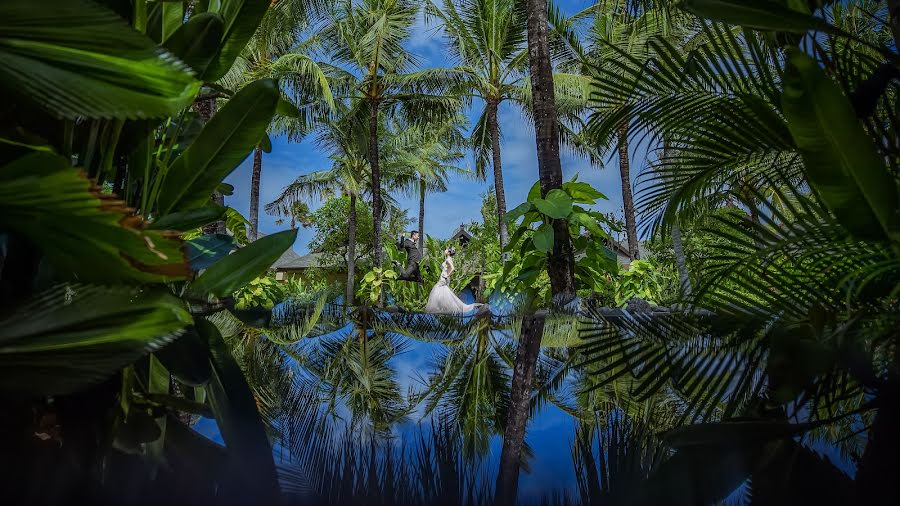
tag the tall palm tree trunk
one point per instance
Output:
(681, 261)
(677, 245)
(560, 265)
(376, 182)
(351, 252)
(422, 216)
(499, 190)
(517, 419)
(254, 193)
(627, 197)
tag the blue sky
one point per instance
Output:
(462, 202)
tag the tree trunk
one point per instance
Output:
(254, 193)
(627, 198)
(677, 245)
(499, 190)
(376, 182)
(422, 216)
(205, 109)
(561, 263)
(520, 398)
(681, 261)
(351, 252)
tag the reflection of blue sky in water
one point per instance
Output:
(550, 432)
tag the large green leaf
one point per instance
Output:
(206, 250)
(589, 222)
(557, 205)
(840, 159)
(187, 358)
(172, 17)
(242, 266)
(222, 145)
(518, 212)
(82, 231)
(73, 336)
(190, 219)
(758, 14)
(76, 58)
(582, 193)
(251, 465)
(241, 19)
(197, 41)
(543, 238)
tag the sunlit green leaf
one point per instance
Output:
(74, 336)
(82, 231)
(557, 205)
(78, 59)
(190, 219)
(239, 268)
(840, 159)
(543, 238)
(197, 41)
(242, 17)
(224, 143)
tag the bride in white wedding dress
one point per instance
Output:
(442, 300)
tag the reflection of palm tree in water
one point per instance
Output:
(469, 387)
(354, 371)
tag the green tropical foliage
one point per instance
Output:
(134, 303)
(101, 103)
(534, 245)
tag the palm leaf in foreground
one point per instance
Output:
(73, 336)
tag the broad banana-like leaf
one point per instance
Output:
(190, 219)
(206, 250)
(78, 59)
(839, 158)
(187, 358)
(82, 231)
(242, 17)
(197, 41)
(239, 268)
(73, 336)
(252, 470)
(543, 238)
(222, 145)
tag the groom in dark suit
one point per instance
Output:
(413, 257)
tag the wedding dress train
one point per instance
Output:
(442, 300)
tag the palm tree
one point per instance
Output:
(488, 38)
(427, 152)
(367, 38)
(355, 370)
(561, 263)
(345, 176)
(616, 37)
(345, 140)
(746, 118)
(273, 52)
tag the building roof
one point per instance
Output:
(461, 233)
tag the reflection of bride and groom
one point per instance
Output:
(441, 300)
